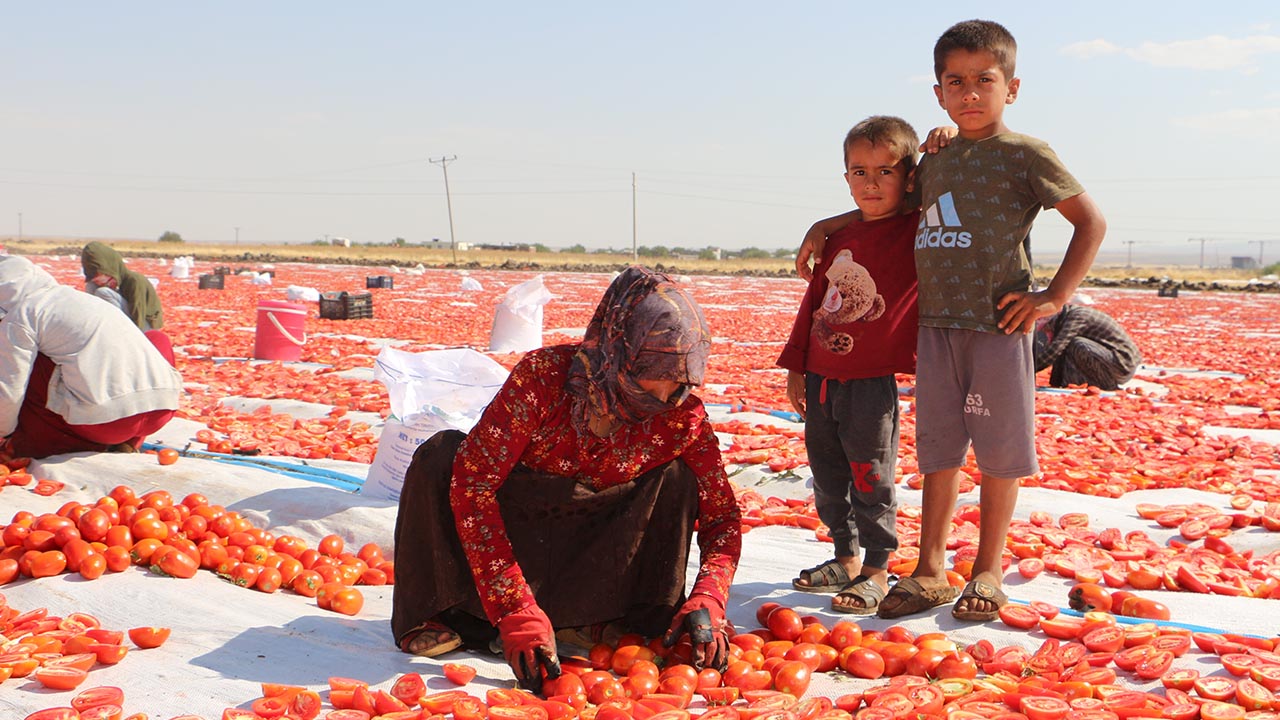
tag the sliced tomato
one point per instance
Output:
(102, 712)
(60, 677)
(148, 637)
(1044, 707)
(101, 695)
(1019, 616)
(54, 713)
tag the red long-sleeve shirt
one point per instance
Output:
(529, 423)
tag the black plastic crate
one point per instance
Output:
(346, 306)
(222, 270)
(379, 281)
(211, 282)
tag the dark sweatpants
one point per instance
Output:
(851, 435)
(589, 557)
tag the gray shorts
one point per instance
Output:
(975, 387)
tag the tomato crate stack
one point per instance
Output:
(346, 305)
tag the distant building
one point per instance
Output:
(1244, 262)
(340, 242)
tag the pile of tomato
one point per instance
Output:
(59, 652)
(178, 539)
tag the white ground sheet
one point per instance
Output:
(226, 640)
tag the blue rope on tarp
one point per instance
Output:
(300, 471)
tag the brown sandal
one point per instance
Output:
(440, 647)
(912, 598)
(863, 588)
(978, 590)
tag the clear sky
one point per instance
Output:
(297, 120)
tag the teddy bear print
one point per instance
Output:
(851, 297)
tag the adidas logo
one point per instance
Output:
(934, 222)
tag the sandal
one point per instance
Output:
(977, 589)
(588, 636)
(864, 589)
(830, 576)
(452, 642)
(912, 598)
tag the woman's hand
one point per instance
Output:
(529, 644)
(702, 616)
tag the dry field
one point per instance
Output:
(496, 259)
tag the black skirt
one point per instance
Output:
(589, 557)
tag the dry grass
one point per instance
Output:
(444, 257)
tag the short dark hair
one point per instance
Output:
(973, 36)
(889, 131)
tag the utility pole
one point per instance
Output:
(237, 235)
(443, 162)
(19, 227)
(1261, 244)
(1129, 262)
(635, 257)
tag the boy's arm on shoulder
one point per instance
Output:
(1021, 309)
(816, 239)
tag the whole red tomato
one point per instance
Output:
(956, 664)
(785, 624)
(792, 677)
(347, 601)
(167, 456)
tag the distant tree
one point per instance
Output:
(170, 236)
(655, 251)
(707, 254)
(784, 253)
(576, 249)
(753, 253)
(399, 242)
(539, 247)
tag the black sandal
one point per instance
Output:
(831, 577)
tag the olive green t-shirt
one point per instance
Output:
(979, 199)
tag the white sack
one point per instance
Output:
(297, 292)
(429, 392)
(517, 321)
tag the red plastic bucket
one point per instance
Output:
(280, 333)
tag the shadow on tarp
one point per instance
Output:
(293, 506)
(307, 650)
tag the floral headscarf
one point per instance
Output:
(645, 328)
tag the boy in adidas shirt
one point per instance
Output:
(975, 381)
(855, 328)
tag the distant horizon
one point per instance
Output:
(1111, 259)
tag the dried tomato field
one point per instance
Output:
(1144, 562)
